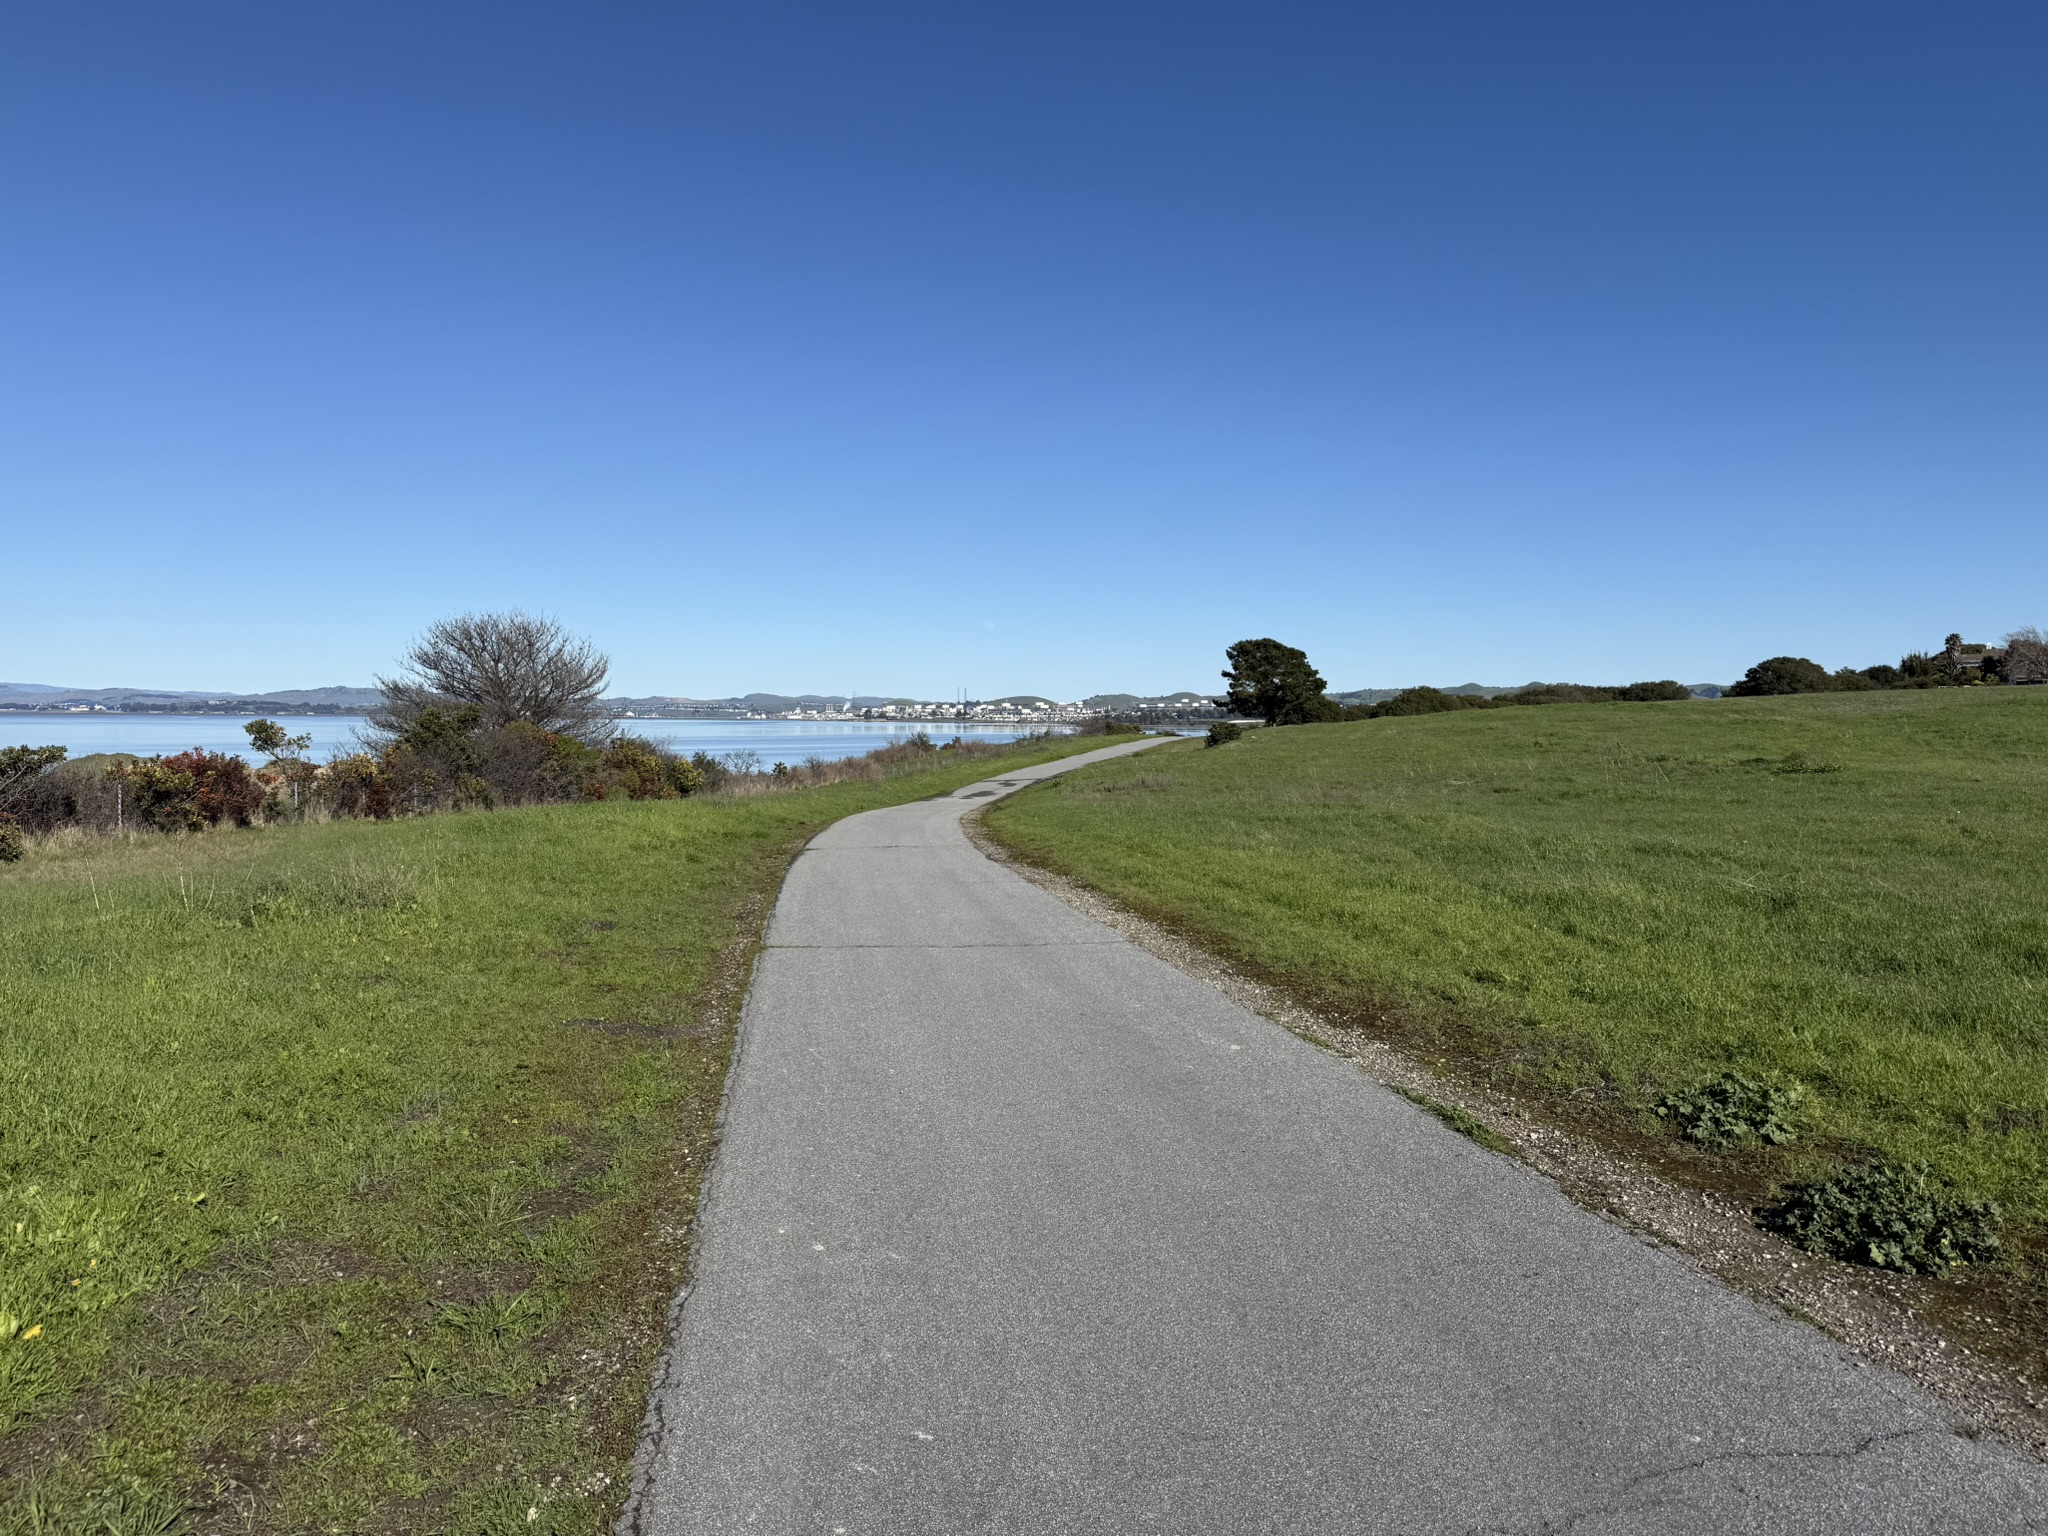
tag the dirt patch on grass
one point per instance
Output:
(1976, 1342)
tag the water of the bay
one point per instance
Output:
(772, 741)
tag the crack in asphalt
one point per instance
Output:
(1620, 1501)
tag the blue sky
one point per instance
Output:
(907, 348)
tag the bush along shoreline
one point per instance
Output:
(488, 710)
(442, 761)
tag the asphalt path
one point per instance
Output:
(1016, 1228)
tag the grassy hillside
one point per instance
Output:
(1591, 904)
(346, 1170)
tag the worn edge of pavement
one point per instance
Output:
(735, 985)
(1849, 1304)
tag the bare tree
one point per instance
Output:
(509, 667)
(2026, 656)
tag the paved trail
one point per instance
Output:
(1018, 1229)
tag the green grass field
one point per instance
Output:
(1589, 905)
(346, 1171)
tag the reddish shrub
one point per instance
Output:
(223, 788)
(193, 789)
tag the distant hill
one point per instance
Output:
(745, 703)
(332, 700)
(342, 699)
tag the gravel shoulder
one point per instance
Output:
(1875, 1314)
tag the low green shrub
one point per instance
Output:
(1106, 725)
(1900, 1216)
(1664, 690)
(10, 840)
(1799, 762)
(1734, 1111)
(1427, 701)
(1223, 732)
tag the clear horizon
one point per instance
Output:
(1011, 352)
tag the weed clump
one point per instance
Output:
(1463, 1121)
(1224, 732)
(132, 1511)
(1799, 762)
(1900, 1216)
(1735, 1111)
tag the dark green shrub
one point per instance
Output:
(1899, 1216)
(1662, 691)
(445, 740)
(10, 840)
(1783, 674)
(712, 773)
(684, 776)
(1560, 693)
(1224, 732)
(1429, 701)
(356, 786)
(1917, 669)
(639, 768)
(20, 770)
(1735, 1111)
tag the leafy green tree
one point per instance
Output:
(269, 738)
(1917, 669)
(1783, 674)
(286, 755)
(1276, 683)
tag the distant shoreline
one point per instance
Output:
(255, 707)
(260, 708)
